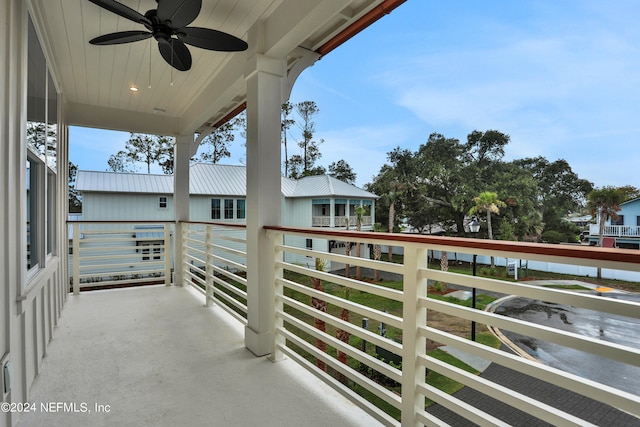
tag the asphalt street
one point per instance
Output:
(594, 324)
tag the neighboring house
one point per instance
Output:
(625, 230)
(218, 194)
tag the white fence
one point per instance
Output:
(214, 263)
(312, 329)
(117, 253)
(319, 316)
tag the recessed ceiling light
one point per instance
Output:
(158, 111)
(133, 89)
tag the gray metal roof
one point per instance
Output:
(112, 182)
(325, 185)
(213, 179)
(224, 180)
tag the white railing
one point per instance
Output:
(325, 221)
(319, 314)
(308, 320)
(615, 230)
(321, 221)
(214, 262)
(118, 253)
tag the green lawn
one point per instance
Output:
(392, 307)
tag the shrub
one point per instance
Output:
(553, 236)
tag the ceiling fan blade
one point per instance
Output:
(122, 10)
(121, 37)
(207, 38)
(179, 12)
(175, 53)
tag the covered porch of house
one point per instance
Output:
(156, 355)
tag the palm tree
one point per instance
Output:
(488, 202)
(321, 306)
(347, 249)
(605, 202)
(391, 198)
(377, 252)
(360, 211)
(444, 261)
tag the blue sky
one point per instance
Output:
(561, 77)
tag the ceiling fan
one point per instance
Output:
(168, 25)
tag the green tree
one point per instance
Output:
(304, 164)
(630, 192)
(487, 202)
(75, 199)
(560, 191)
(320, 305)
(146, 149)
(342, 171)
(119, 162)
(605, 202)
(360, 211)
(215, 146)
(440, 177)
(521, 217)
(285, 124)
(391, 185)
(483, 148)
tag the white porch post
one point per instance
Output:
(264, 81)
(182, 154)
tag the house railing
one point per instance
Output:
(214, 263)
(615, 230)
(339, 221)
(119, 253)
(312, 327)
(319, 317)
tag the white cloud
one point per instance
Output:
(364, 148)
(570, 94)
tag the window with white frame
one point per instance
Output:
(228, 208)
(151, 251)
(41, 159)
(215, 209)
(241, 209)
(162, 202)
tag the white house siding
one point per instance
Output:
(298, 213)
(125, 207)
(130, 197)
(30, 301)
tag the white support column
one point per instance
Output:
(183, 148)
(264, 77)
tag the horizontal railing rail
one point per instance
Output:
(616, 230)
(375, 330)
(339, 221)
(119, 253)
(321, 317)
(214, 263)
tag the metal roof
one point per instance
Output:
(325, 185)
(117, 182)
(225, 180)
(213, 179)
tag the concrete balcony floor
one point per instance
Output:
(157, 357)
